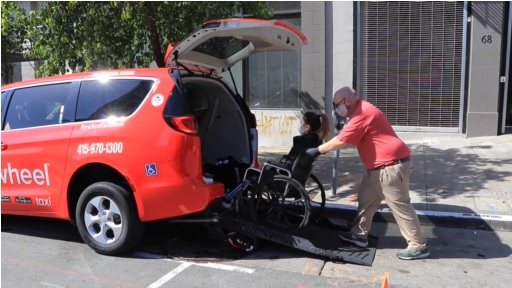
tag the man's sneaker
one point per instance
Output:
(411, 254)
(349, 237)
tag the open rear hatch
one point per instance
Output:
(211, 50)
(220, 44)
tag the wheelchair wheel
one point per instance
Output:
(281, 202)
(313, 189)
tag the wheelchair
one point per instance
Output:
(279, 194)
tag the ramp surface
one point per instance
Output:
(316, 238)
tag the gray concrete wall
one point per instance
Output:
(277, 127)
(485, 56)
(25, 70)
(343, 44)
(313, 54)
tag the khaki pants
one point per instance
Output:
(392, 184)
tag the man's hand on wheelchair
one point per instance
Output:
(313, 152)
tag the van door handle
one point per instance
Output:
(4, 146)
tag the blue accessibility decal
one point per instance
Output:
(151, 169)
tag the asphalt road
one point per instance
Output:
(50, 253)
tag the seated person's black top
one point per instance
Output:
(300, 143)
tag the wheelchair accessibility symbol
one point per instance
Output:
(151, 169)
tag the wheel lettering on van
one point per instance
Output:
(13, 176)
(102, 125)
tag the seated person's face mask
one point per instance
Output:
(301, 129)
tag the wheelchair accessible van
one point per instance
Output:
(274, 204)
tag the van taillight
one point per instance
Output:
(185, 124)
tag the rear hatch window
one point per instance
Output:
(220, 44)
(178, 113)
(178, 104)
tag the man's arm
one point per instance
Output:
(331, 145)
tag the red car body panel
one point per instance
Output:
(162, 166)
(178, 188)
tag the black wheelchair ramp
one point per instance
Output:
(316, 238)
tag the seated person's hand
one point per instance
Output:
(313, 152)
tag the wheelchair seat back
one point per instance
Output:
(302, 167)
(299, 170)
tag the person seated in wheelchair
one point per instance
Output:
(314, 130)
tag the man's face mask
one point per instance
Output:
(341, 109)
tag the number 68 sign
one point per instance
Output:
(486, 39)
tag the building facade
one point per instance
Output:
(429, 66)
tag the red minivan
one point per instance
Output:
(111, 150)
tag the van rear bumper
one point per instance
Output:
(176, 199)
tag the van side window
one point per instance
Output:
(4, 95)
(112, 98)
(36, 106)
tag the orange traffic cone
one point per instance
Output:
(385, 281)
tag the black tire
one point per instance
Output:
(281, 202)
(119, 229)
(313, 186)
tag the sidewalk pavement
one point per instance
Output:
(457, 181)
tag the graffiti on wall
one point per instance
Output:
(277, 128)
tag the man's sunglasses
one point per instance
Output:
(335, 105)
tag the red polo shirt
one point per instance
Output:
(370, 131)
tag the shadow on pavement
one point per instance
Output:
(450, 243)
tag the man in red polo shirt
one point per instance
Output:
(389, 166)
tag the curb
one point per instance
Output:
(429, 218)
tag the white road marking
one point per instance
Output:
(170, 275)
(185, 265)
(225, 267)
(454, 215)
(50, 284)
